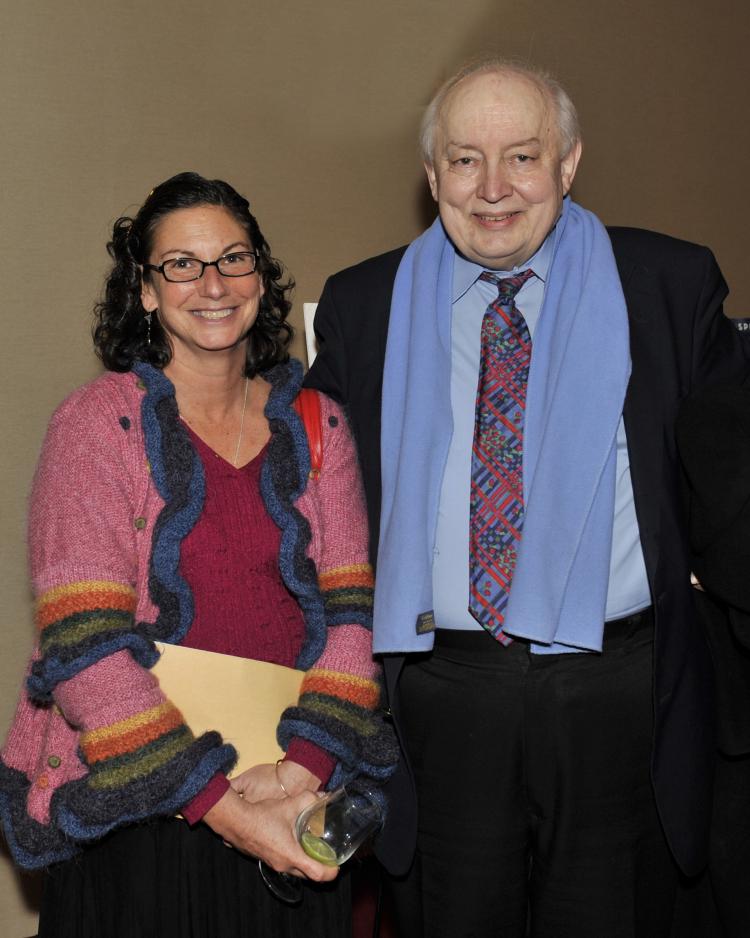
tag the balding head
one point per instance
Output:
(566, 117)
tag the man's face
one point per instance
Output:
(497, 175)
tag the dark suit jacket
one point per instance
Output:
(713, 433)
(679, 342)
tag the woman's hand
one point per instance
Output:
(265, 829)
(263, 782)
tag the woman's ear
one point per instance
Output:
(149, 299)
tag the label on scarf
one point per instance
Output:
(425, 622)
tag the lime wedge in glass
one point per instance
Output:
(318, 849)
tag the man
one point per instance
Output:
(557, 734)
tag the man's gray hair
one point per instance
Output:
(567, 116)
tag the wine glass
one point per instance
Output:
(330, 830)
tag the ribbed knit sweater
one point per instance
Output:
(242, 607)
(95, 744)
(230, 560)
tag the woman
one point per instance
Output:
(172, 502)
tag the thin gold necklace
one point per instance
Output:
(242, 425)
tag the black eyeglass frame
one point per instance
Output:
(204, 264)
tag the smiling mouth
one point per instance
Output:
(212, 314)
(489, 219)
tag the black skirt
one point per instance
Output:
(167, 880)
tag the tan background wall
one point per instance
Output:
(310, 109)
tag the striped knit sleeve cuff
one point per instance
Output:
(135, 746)
(79, 624)
(338, 712)
(347, 594)
(137, 777)
(150, 781)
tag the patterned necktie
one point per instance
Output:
(496, 504)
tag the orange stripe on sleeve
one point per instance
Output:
(120, 743)
(357, 690)
(68, 600)
(342, 577)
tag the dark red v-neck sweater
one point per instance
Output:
(242, 607)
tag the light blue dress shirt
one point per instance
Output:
(628, 584)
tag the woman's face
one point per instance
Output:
(211, 315)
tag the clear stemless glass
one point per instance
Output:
(330, 830)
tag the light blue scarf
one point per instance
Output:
(579, 373)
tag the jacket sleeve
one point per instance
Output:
(328, 372)
(339, 707)
(140, 757)
(713, 434)
(719, 354)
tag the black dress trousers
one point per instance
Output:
(536, 810)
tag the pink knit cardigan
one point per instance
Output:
(110, 735)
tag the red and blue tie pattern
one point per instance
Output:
(496, 500)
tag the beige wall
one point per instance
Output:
(310, 109)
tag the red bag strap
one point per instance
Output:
(307, 405)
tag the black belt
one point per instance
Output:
(615, 631)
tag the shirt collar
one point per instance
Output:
(466, 273)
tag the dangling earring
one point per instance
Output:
(148, 328)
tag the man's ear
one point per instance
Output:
(429, 168)
(569, 165)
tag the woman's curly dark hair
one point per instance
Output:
(121, 329)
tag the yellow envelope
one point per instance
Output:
(240, 698)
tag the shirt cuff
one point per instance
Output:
(312, 757)
(194, 810)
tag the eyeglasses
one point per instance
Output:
(185, 269)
